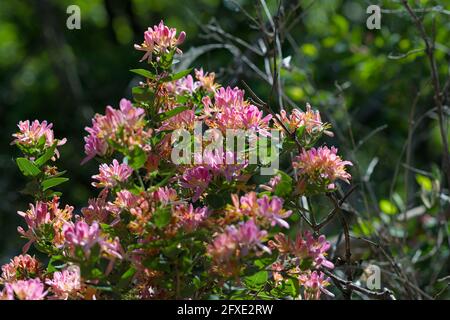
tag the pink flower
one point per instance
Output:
(65, 283)
(314, 284)
(245, 237)
(36, 135)
(31, 289)
(272, 210)
(266, 211)
(80, 234)
(125, 127)
(165, 195)
(20, 267)
(160, 40)
(318, 169)
(206, 80)
(183, 120)
(112, 175)
(97, 209)
(310, 119)
(234, 113)
(188, 217)
(198, 179)
(44, 213)
(273, 182)
(305, 248)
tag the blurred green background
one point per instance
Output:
(363, 81)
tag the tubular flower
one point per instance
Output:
(124, 127)
(315, 283)
(165, 195)
(31, 289)
(33, 138)
(160, 40)
(318, 169)
(21, 267)
(206, 80)
(42, 214)
(306, 248)
(112, 175)
(232, 112)
(237, 242)
(189, 218)
(198, 179)
(310, 120)
(97, 209)
(66, 283)
(272, 210)
(84, 236)
(266, 211)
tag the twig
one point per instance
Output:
(429, 49)
(386, 294)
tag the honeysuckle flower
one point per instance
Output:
(272, 210)
(165, 195)
(266, 211)
(65, 283)
(36, 137)
(188, 217)
(316, 249)
(41, 214)
(237, 241)
(185, 85)
(112, 175)
(273, 182)
(82, 235)
(305, 248)
(223, 164)
(183, 120)
(310, 120)
(315, 283)
(233, 112)
(160, 40)
(318, 169)
(124, 126)
(21, 267)
(31, 289)
(197, 179)
(206, 80)
(97, 209)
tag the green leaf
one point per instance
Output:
(388, 207)
(52, 182)
(177, 76)
(284, 187)
(27, 167)
(144, 73)
(46, 156)
(136, 158)
(142, 94)
(424, 182)
(257, 280)
(162, 217)
(171, 113)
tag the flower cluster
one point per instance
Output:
(162, 229)
(122, 128)
(297, 258)
(318, 169)
(35, 137)
(112, 175)
(160, 40)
